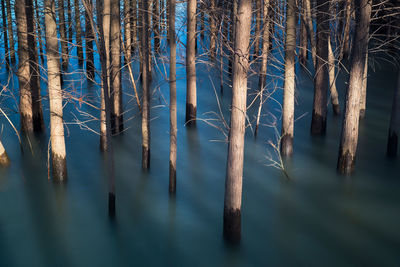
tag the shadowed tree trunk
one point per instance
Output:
(63, 35)
(303, 52)
(127, 31)
(289, 83)
(5, 37)
(117, 122)
(156, 25)
(257, 32)
(145, 88)
(69, 21)
(10, 32)
(89, 40)
(349, 137)
(148, 29)
(38, 123)
(39, 29)
(346, 32)
(394, 122)
(134, 25)
(363, 99)
(25, 101)
(264, 61)
(4, 159)
(310, 29)
(172, 108)
(191, 97)
(321, 79)
(58, 153)
(234, 169)
(332, 81)
(78, 35)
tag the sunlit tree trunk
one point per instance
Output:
(58, 153)
(349, 137)
(117, 122)
(38, 123)
(148, 29)
(321, 79)
(89, 40)
(78, 34)
(25, 101)
(310, 29)
(363, 99)
(127, 31)
(145, 88)
(287, 131)
(191, 97)
(264, 61)
(4, 159)
(172, 107)
(394, 122)
(63, 34)
(332, 81)
(5, 37)
(213, 29)
(234, 169)
(10, 31)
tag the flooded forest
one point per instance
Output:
(199, 132)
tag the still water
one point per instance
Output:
(315, 218)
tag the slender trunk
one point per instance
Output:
(39, 29)
(58, 153)
(127, 31)
(232, 35)
(303, 53)
(10, 32)
(349, 137)
(172, 108)
(363, 99)
(69, 21)
(264, 61)
(191, 98)
(257, 29)
(4, 159)
(213, 29)
(25, 101)
(78, 35)
(394, 122)
(117, 122)
(148, 29)
(202, 20)
(6, 53)
(156, 25)
(310, 30)
(145, 88)
(346, 33)
(63, 35)
(289, 84)
(134, 25)
(38, 123)
(89, 35)
(332, 81)
(234, 169)
(321, 79)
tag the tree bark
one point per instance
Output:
(310, 30)
(363, 99)
(332, 81)
(303, 53)
(134, 25)
(257, 32)
(287, 131)
(346, 33)
(69, 21)
(4, 159)
(213, 29)
(234, 169)
(191, 97)
(78, 35)
(321, 79)
(156, 25)
(127, 31)
(39, 29)
(63, 35)
(89, 35)
(349, 136)
(5, 37)
(10, 31)
(172, 108)
(117, 122)
(394, 128)
(58, 153)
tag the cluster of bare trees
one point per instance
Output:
(238, 36)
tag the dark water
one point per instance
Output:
(316, 218)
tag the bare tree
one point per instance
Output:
(63, 34)
(78, 34)
(191, 95)
(10, 31)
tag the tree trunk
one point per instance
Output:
(89, 35)
(38, 123)
(234, 169)
(117, 122)
(257, 32)
(10, 31)
(213, 29)
(394, 122)
(4, 159)
(78, 35)
(172, 108)
(58, 153)
(232, 35)
(63, 35)
(303, 53)
(310, 30)
(6, 53)
(321, 79)
(346, 33)
(145, 88)
(25, 101)
(148, 29)
(332, 81)
(191, 98)
(349, 137)
(127, 31)
(134, 25)
(363, 99)
(69, 21)
(289, 83)
(39, 30)
(156, 25)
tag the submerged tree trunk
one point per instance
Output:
(63, 34)
(234, 169)
(191, 97)
(78, 34)
(394, 122)
(117, 122)
(145, 88)
(172, 107)
(25, 101)
(287, 131)
(89, 40)
(10, 31)
(349, 137)
(321, 79)
(4, 159)
(332, 81)
(58, 153)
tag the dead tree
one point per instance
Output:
(10, 31)
(78, 34)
